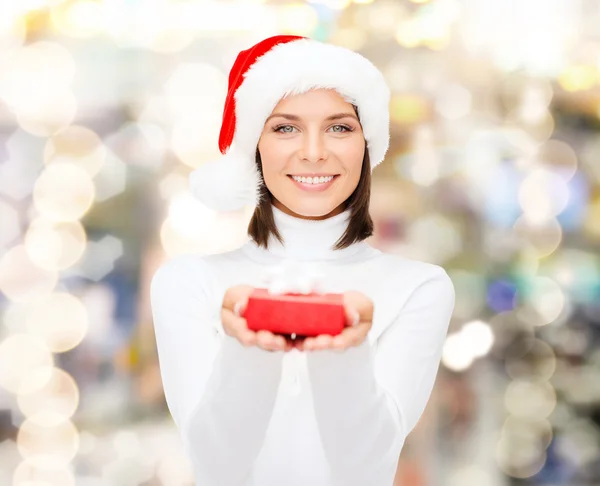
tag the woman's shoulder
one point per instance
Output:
(191, 267)
(396, 264)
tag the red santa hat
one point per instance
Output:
(260, 77)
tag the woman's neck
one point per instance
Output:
(307, 239)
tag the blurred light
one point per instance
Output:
(20, 356)
(77, 145)
(457, 354)
(470, 293)
(189, 217)
(191, 148)
(578, 78)
(409, 109)
(44, 115)
(537, 363)
(560, 156)
(194, 88)
(534, 103)
(192, 227)
(472, 475)
(525, 399)
(61, 320)
(88, 443)
(453, 101)
(50, 400)
(363, 2)
(546, 298)
(474, 340)
(15, 180)
(128, 470)
(520, 452)
(545, 236)
(174, 30)
(99, 258)
(578, 272)
(57, 443)
(36, 87)
(543, 195)
(333, 4)
(142, 144)
(426, 159)
(479, 337)
(174, 469)
(55, 246)
(173, 184)
(42, 472)
(407, 34)
(127, 443)
(63, 192)
(579, 443)
(351, 38)
(38, 71)
(592, 220)
(530, 430)
(21, 280)
(433, 238)
(81, 18)
(297, 19)
(9, 225)
(13, 32)
(502, 295)
(112, 178)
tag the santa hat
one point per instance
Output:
(260, 77)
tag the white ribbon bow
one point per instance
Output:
(294, 277)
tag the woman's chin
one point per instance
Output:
(311, 211)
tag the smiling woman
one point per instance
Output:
(304, 124)
(312, 149)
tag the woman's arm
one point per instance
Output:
(368, 401)
(220, 393)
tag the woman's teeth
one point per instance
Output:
(312, 180)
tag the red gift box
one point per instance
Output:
(292, 313)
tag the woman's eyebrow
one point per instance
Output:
(291, 117)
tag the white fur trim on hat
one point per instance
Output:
(229, 183)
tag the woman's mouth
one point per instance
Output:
(315, 183)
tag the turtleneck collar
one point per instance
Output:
(306, 239)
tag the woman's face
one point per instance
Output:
(312, 148)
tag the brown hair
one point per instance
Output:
(360, 225)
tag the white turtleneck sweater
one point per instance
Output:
(249, 417)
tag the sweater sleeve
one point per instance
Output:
(220, 393)
(367, 401)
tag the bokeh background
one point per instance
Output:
(493, 173)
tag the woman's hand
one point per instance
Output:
(359, 317)
(234, 325)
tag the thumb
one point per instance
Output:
(352, 316)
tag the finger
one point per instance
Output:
(236, 327)
(352, 317)
(308, 343)
(235, 294)
(267, 340)
(239, 308)
(323, 341)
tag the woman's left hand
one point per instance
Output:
(359, 319)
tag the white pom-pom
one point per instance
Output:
(227, 184)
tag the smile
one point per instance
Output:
(317, 183)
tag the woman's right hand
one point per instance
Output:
(234, 325)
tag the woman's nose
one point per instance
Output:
(314, 148)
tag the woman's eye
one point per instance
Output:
(341, 128)
(284, 129)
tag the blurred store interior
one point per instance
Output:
(493, 172)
